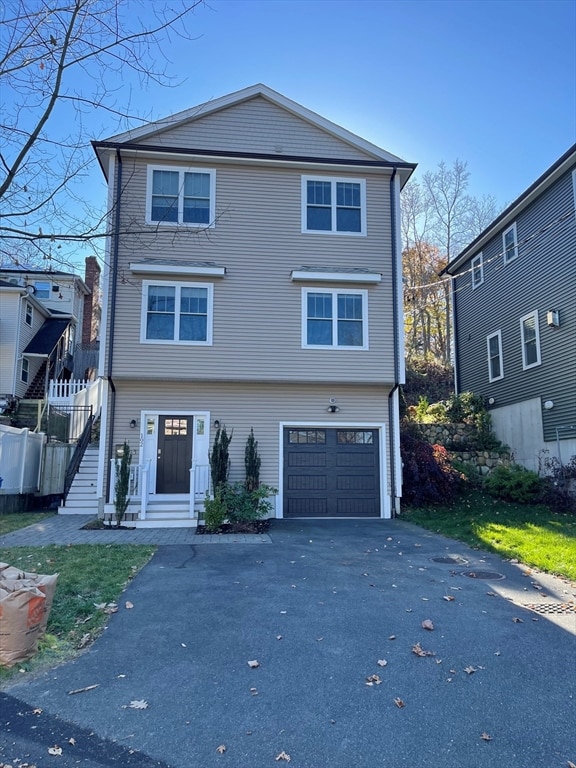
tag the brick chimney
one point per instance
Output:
(91, 319)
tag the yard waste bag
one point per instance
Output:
(25, 602)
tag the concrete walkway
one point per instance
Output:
(347, 676)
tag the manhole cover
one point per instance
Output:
(551, 607)
(450, 560)
(488, 575)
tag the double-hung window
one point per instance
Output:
(495, 364)
(181, 196)
(530, 340)
(178, 313)
(42, 290)
(510, 243)
(477, 269)
(334, 318)
(336, 206)
(28, 315)
(25, 371)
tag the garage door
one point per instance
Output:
(331, 473)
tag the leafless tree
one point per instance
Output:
(66, 63)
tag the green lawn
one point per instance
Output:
(89, 575)
(532, 534)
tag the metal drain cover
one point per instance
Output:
(551, 607)
(488, 575)
(450, 560)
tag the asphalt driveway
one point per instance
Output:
(323, 609)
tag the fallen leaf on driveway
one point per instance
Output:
(373, 680)
(399, 703)
(392, 637)
(72, 741)
(253, 664)
(137, 704)
(427, 624)
(516, 620)
(283, 756)
(470, 670)
(82, 690)
(449, 598)
(382, 662)
(128, 604)
(571, 764)
(492, 594)
(254, 691)
(37, 711)
(221, 749)
(55, 750)
(419, 651)
(486, 737)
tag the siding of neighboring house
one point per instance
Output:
(258, 239)
(257, 126)
(541, 278)
(9, 322)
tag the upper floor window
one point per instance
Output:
(574, 188)
(510, 243)
(178, 313)
(25, 371)
(477, 271)
(28, 315)
(495, 363)
(332, 318)
(530, 340)
(42, 290)
(331, 205)
(181, 196)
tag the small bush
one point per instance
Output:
(428, 476)
(244, 506)
(215, 510)
(515, 483)
(559, 484)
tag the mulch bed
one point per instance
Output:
(254, 526)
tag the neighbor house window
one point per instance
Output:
(42, 290)
(334, 205)
(495, 366)
(334, 319)
(181, 196)
(477, 271)
(28, 317)
(25, 373)
(530, 340)
(510, 243)
(177, 313)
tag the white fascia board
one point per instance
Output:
(171, 269)
(338, 277)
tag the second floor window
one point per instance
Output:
(477, 271)
(530, 340)
(25, 372)
(334, 319)
(28, 318)
(42, 290)
(177, 313)
(181, 196)
(337, 206)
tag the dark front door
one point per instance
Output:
(331, 472)
(174, 454)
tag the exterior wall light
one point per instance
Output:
(133, 424)
(548, 404)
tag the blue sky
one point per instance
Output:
(489, 82)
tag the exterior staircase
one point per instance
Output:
(82, 498)
(159, 514)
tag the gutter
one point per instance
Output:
(112, 324)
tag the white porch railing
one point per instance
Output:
(62, 392)
(139, 485)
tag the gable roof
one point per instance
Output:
(133, 137)
(47, 337)
(511, 212)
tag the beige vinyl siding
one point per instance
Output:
(259, 126)
(257, 308)
(242, 406)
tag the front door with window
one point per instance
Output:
(174, 457)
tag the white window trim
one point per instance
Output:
(337, 277)
(186, 343)
(181, 170)
(526, 366)
(172, 269)
(477, 262)
(511, 228)
(30, 308)
(498, 335)
(334, 293)
(333, 180)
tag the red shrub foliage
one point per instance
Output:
(428, 476)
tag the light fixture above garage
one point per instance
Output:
(332, 406)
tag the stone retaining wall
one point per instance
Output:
(458, 438)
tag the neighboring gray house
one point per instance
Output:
(254, 280)
(514, 307)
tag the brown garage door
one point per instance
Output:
(331, 472)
